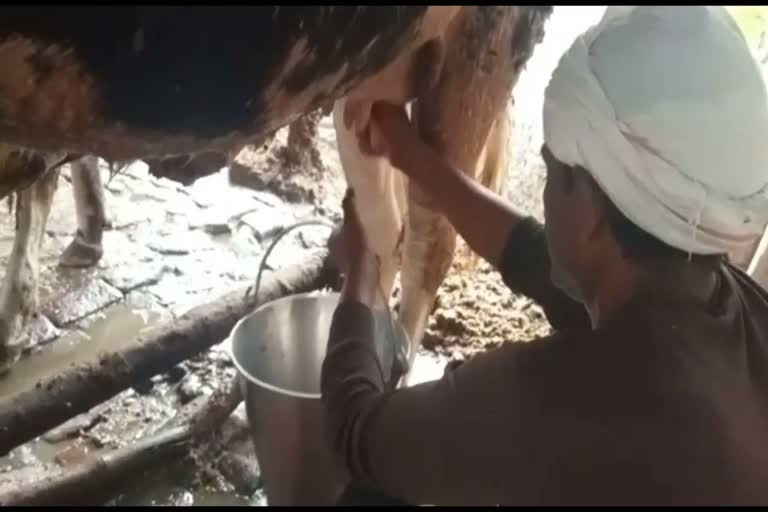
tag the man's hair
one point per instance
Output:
(635, 243)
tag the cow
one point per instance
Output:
(170, 83)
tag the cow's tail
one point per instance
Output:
(117, 167)
(492, 167)
(497, 154)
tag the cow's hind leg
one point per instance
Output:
(19, 292)
(300, 149)
(85, 249)
(430, 240)
(379, 200)
(458, 118)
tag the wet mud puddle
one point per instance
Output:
(130, 416)
(107, 331)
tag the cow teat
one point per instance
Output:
(357, 115)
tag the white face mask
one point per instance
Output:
(562, 278)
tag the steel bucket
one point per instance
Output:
(279, 351)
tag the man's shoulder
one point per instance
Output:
(751, 290)
(576, 358)
(566, 373)
(565, 341)
(560, 351)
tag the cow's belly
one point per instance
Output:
(109, 76)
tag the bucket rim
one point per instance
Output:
(259, 382)
(314, 294)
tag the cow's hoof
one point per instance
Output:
(8, 358)
(9, 353)
(80, 254)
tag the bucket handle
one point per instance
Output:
(278, 237)
(400, 364)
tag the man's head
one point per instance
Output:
(587, 233)
(655, 122)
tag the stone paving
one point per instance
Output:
(168, 249)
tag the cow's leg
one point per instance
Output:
(458, 118)
(379, 200)
(430, 240)
(490, 172)
(85, 249)
(19, 293)
(300, 149)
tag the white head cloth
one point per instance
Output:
(666, 108)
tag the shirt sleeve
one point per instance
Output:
(434, 443)
(525, 269)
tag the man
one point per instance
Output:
(654, 388)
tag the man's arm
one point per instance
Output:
(514, 243)
(468, 438)
(483, 219)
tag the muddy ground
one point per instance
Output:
(171, 248)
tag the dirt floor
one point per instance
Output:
(171, 248)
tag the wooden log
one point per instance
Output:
(55, 400)
(101, 476)
(97, 478)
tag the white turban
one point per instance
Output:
(666, 108)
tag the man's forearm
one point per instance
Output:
(483, 219)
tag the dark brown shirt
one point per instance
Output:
(663, 405)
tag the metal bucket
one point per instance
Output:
(279, 351)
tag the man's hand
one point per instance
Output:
(353, 258)
(482, 218)
(390, 134)
(348, 245)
